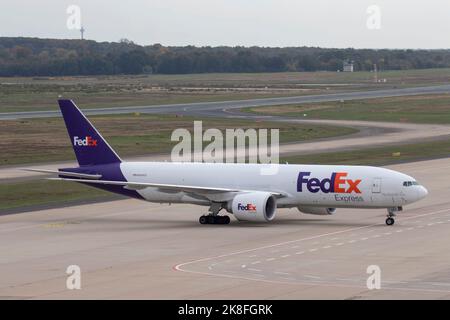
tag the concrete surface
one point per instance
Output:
(132, 249)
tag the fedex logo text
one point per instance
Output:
(337, 183)
(247, 207)
(84, 142)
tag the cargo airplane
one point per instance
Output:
(237, 188)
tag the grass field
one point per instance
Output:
(46, 140)
(43, 192)
(28, 94)
(48, 100)
(25, 94)
(415, 109)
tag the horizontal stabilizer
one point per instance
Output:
(67, 174)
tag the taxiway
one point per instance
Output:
(133, 249)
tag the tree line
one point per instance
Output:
(54, 57)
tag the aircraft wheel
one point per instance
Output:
(226, 219)
(203, 220)
(214, 219)
(390, 221)
(211, 220)
(222, 219)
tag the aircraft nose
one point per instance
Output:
(423, 192)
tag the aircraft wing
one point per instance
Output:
(170, 187)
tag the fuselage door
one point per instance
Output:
(376, 185)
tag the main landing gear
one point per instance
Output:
(213, 217)
(392, 212)
(210, 219)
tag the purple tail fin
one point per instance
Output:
(89, 146)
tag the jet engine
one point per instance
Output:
(253, 206)
(321, 211)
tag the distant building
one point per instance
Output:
(348, 66)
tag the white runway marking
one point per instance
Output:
(312, 277)
(344, 279)
(287, 279)
(282, 273)
(439, 284)
(179, 267)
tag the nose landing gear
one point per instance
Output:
(392, 212)
(390, 221)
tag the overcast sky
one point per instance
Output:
(325, 23)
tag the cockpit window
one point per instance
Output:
(410, 183)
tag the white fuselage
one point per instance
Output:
(301, 185)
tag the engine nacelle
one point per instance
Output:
(321, 211)
(253, 206)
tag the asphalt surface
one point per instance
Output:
(133, 249)
(215, 109)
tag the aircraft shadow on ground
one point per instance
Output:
(161, 224)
